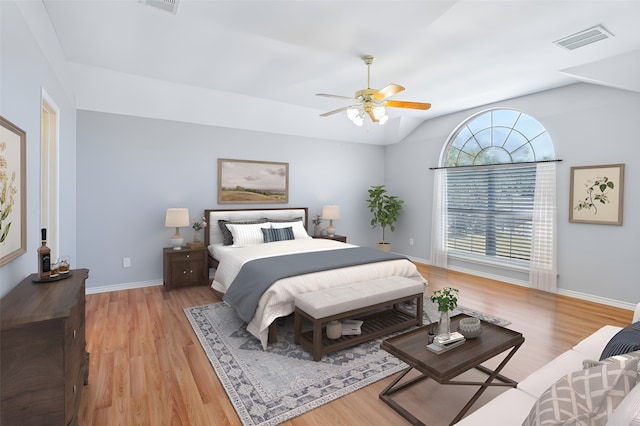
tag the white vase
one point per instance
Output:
(317, 230)
(444, 326)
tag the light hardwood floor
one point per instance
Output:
(148, 368)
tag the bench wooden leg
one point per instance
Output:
(317, 340)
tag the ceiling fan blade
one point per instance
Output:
(388, 90)
(405, 104)
(326, 95)
(335, 111)
(373, 117)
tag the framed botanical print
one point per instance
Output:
(255, 182)
(13, 195)
(596, 194)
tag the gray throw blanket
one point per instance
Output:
(256, 276)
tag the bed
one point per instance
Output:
(239, 243)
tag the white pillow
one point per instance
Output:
(247, 234)
(627, 413)
(299, 233)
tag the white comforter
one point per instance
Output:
(278, 300)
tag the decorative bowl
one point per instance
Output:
(470, 328)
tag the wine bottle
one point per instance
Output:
(44, 258)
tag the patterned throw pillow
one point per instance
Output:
(272, 235)
(586, 397)
(625, 340)
(227, 238)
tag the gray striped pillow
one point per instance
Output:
(277, 234)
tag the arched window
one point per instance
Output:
(498, 136)
(489, 188)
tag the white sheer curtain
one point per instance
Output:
(543, 273)
(439, 219)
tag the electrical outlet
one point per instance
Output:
(126, 262)
(410, 241)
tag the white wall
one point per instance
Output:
(130, 170)
(589, 125)
(24, 71)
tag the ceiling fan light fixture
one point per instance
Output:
(358, 121)
(383, 119)
(378, 112)
(352, 113)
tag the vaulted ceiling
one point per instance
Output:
(257, 65)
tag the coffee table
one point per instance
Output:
(410, 347)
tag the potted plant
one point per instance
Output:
(447, 300)
(386, 210)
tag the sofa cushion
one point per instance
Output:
(592, 345)
(626, 340)
(508, 408)
(585, 397)
(540, 380)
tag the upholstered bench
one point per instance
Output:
(384, 305)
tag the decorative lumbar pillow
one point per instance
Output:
(277, 234)
(227, 238)
(247, 235)
(625, 340)
(585, 397)
(299, 232)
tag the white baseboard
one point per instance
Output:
(564, 292)
(123, 286)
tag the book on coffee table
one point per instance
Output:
(438, 349)
(453, 338)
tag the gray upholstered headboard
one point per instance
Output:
(214, 235)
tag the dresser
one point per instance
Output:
(185, 267)
(44, 364)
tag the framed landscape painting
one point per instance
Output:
(596, 194)
(254, 182)
(13, 186)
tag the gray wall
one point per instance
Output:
(589, 125)
(24, 72)
(130, 170)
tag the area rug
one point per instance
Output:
(272, 386)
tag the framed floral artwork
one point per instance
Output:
(596, 194)
(255, 182)
(13, 187)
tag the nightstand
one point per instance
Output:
(336, 237)
(185, 267)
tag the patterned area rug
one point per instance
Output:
(272, 386)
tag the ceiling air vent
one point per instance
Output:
(168, 5)
(583, 38)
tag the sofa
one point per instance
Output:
(513, 407)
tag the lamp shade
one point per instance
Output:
(331, 212)
(177, 217)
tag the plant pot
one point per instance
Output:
(384, 247)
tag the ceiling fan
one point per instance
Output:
(372, 101)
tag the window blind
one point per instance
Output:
(490, 210)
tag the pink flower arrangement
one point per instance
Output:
(198, 224)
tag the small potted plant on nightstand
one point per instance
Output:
(386, 210)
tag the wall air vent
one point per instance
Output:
(168, 5)
(583, 38)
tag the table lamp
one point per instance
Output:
(177, 217)
(331, 212)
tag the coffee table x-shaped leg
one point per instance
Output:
(494, 379)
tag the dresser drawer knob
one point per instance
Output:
(74, 334)
(75, 387)
(188, 256)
